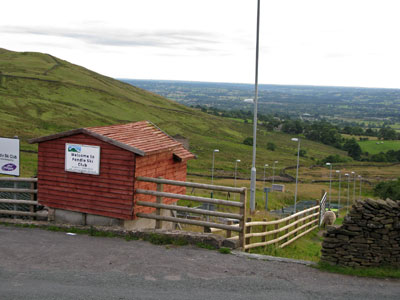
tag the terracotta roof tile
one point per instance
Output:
(183, 153)
(144, 136)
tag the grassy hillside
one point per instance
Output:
(41, 94)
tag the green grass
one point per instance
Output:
(42, 95)
(205, 246)
(376, 272)
(161, 239)
(374, 147)
(224, 250)
(306, 248)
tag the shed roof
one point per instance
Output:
(142, 138)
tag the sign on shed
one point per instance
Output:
(9, 156)
(82, 159)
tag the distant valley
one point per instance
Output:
(337, 104)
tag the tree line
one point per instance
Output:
(320, 131)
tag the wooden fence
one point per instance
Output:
(322, 209)
(281, 232)
(16, 203)
(207, 224)
(251, 234)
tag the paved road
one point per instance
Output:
(38, 264)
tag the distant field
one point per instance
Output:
(357, 137)
(396, 127)
(374, 147)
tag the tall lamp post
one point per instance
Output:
(340, 181)
(212, 178)
(354, 186)
(253, 166)
(273, 172)
(212, 168)
(348, 192)
(265, 166)
(236, 162)
(297, 171)
(330, 182)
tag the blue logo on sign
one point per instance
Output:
(9, 167)
(74, 148)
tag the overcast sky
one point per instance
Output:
(307, 42)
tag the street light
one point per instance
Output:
(236, 162)
(212, 169)
(273, 172)
(297, 171)
(348, 191)
(340, 179)
(354, 187)
(360, 178)
(253, 166)
(330, 183)
(212, 178)
(265, 166)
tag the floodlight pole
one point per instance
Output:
(340, 179)
(236, 162)
(297, 171)
(330, 182)
(348, 192)
(212, 179)
(265, 166)
(273, 173)
(253, 166)
(212, 168)
(354, 187)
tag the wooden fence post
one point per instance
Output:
(229, 232)
(33, 198)
(242, 223)
(248, 230)
(159, 201)
(319, 213)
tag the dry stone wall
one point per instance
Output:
(369, 236)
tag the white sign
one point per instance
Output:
(9, 156)
(82, 159)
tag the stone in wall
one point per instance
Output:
(369, 236)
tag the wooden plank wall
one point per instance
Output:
(158, 165)
(108, 194)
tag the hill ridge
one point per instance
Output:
(70, 97)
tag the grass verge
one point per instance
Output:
(375, 272)
(306, 248)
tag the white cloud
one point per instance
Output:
(321, 42)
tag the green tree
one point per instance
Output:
(387, 133)
(302, 153)
(248, 141)
(388, 189)
(271, 146)
(353, 148)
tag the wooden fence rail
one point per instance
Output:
(294, 227)
(15, 202)
(159, 194)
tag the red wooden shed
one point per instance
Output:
(93, 170)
